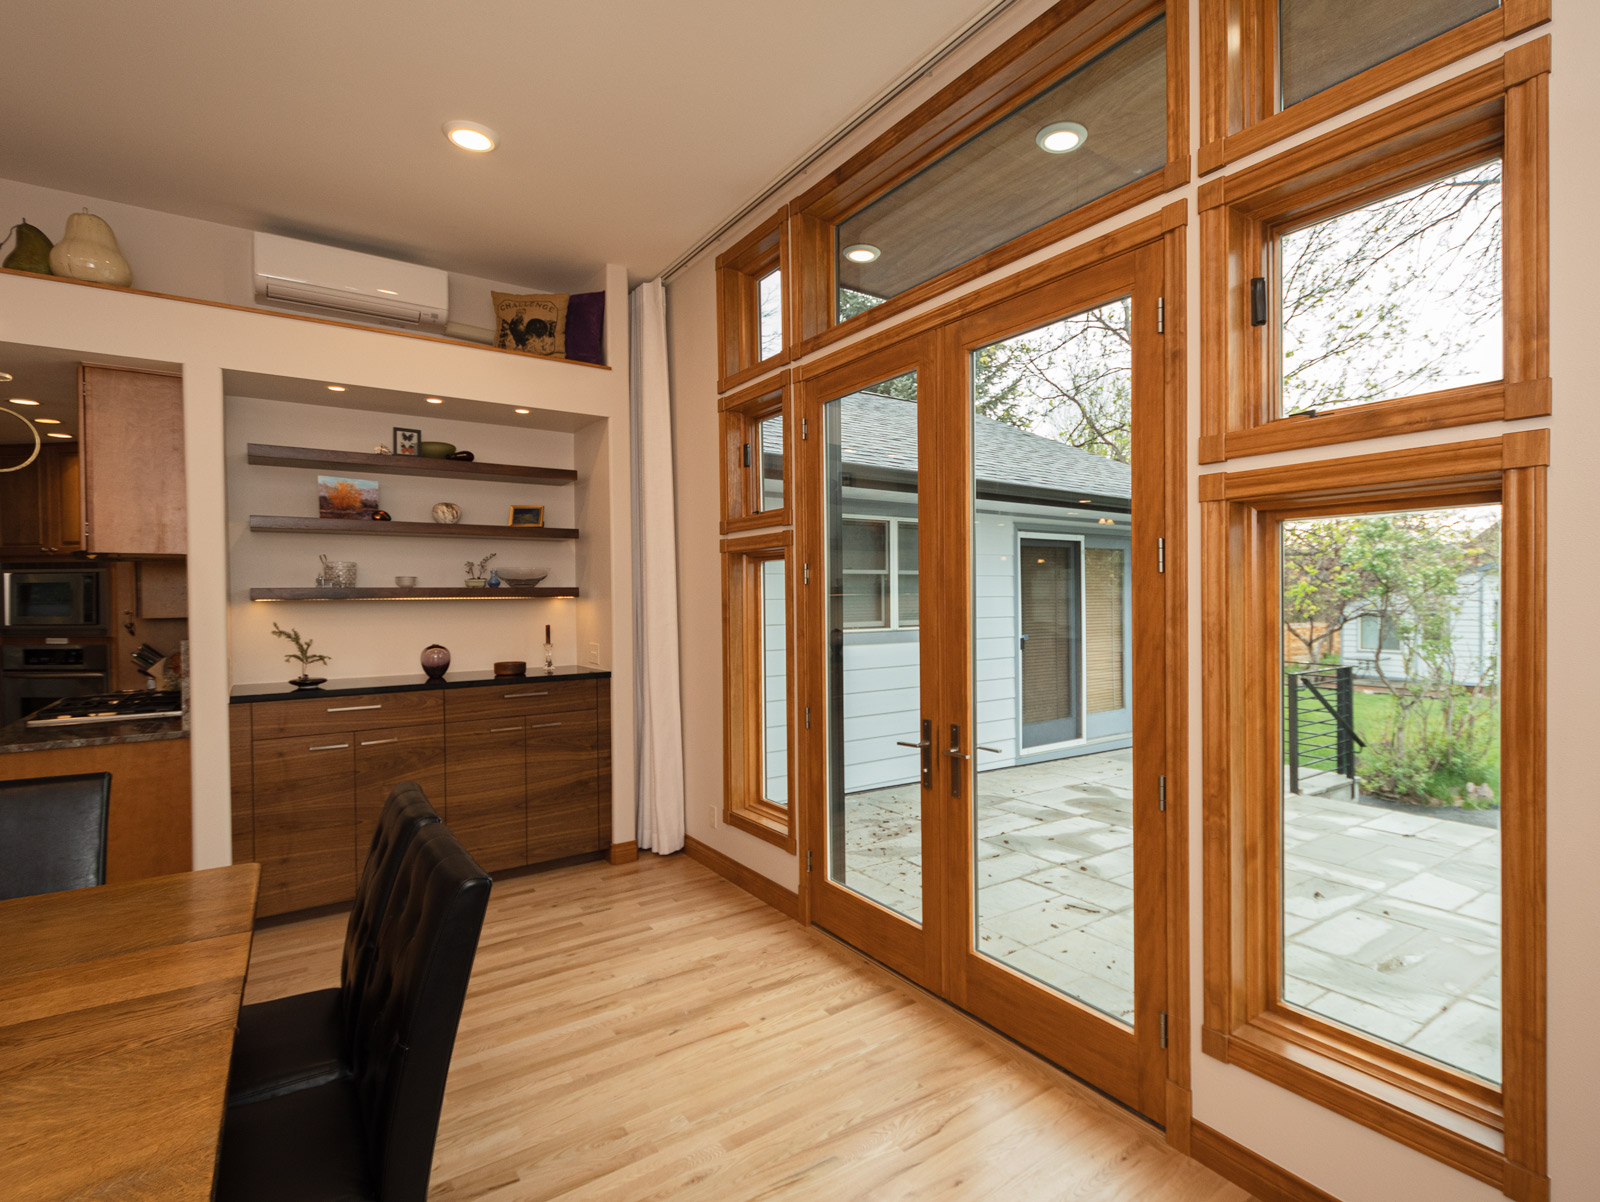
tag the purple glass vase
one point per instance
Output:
(435, 661)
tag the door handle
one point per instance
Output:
(540, 693)
(926, 747)
(954, 752)
(329, 747)
(340, 709)
(542, 725)
(500, 730)
(377, 742)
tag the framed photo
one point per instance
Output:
(343, 497)
(406, 441)
(526, 515)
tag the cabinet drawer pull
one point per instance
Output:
(542, 725)
(537, 693)
(377, 742)
(329, 747)
(339, 709)
(499, 730)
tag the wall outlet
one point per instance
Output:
(716, 816)
(594, 655)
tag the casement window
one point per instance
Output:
(1082, 115)
(752, 325)
(878, 565)
(756, 440)
(1386, 279)
(1374, 792)
(758, 674)
(1271, 68)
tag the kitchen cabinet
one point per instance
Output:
(130, 434)
(40, 506)
(519, 769)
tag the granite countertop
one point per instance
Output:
(19, 736)
(246, 694)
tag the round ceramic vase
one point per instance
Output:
(435, 661)
(89, 251)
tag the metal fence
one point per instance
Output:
(1319, 722)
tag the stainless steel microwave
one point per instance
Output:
(54, 601)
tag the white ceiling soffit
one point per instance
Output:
(627, 128)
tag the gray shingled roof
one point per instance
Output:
(880, 431)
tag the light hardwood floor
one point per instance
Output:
(650, 1031)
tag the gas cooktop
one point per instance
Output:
(110, 707)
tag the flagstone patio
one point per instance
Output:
(1392, 917)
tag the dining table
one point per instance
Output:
(117, 1013)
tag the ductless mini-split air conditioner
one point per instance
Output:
(349, 284)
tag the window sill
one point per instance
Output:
(765, 821)
(1453, 1121)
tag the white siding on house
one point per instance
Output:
(1474, 632)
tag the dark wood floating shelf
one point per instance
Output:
(407, 529)
(506, 593)
(267, 455)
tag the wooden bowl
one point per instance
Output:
(511, 667)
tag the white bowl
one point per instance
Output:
(406, 581)
(523, 577)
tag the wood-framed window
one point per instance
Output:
(1389, 278)
(879, 570)
(1081, 115)
(1330, 979)
(1271, 68)
(757, 679)
(752, 314)
(757, 448)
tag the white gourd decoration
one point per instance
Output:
(89, 251)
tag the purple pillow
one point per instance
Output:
(586, 327)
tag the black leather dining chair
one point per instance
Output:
(53, 833)
(369, 1137)
(303, 1040)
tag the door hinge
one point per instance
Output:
(808, 573)
(1258, 301)
(747, 454)
(1163, 1013)
(1161, 555)
(805, 428)
(1162, 793)
(1161, 315)
(808, 869)
(808, 717)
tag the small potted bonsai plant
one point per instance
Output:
(478, 573)
(303, 655)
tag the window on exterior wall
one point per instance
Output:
(751, 320)
(878, 560)
(755, 456)
(1101, 127)
(1383, 282)
(769, 314)
(758, 668)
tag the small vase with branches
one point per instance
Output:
(303, 655)
(478, 573)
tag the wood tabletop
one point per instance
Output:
(117, 1012)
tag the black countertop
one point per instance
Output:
(19, 736)
(247, 694)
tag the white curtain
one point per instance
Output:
(655, 579)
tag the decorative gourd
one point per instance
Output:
(89, 251)
(32, 251)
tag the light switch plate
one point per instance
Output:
(594, 655)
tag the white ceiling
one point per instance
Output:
(628, 129)
(49, 375)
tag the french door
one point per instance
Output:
(984, 671)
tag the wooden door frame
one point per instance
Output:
(1164, 1085)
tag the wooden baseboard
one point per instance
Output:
(752, 882)
(1250, 1171)
(625, 853)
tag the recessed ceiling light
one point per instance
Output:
(53, 434)
(46, 421)
(6, 377)
(469, 135)
(387, 291)
(1061, 138)
(521, 411)
(17, 400)
(335, 387)
(862, 252)
(433, 400)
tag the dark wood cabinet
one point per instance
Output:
(484, 769)
(41, 508)
(386, 758)
(521, 773)
(305, 819)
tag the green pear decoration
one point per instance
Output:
(32, 251)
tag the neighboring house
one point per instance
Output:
(1052, 596)
(1369, 643)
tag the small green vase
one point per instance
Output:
(32, 251)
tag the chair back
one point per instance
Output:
(412, 1006)
(53, 833)
(405, 813)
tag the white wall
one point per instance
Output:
(206, 340)
(384, 639)
(1349, 1161)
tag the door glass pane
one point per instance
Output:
(874, 660)
(1322, 42)
(1399, 297)
(1391, 778)
(1053, 802)
(769, 314)
(771, 443)
(774, 684)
